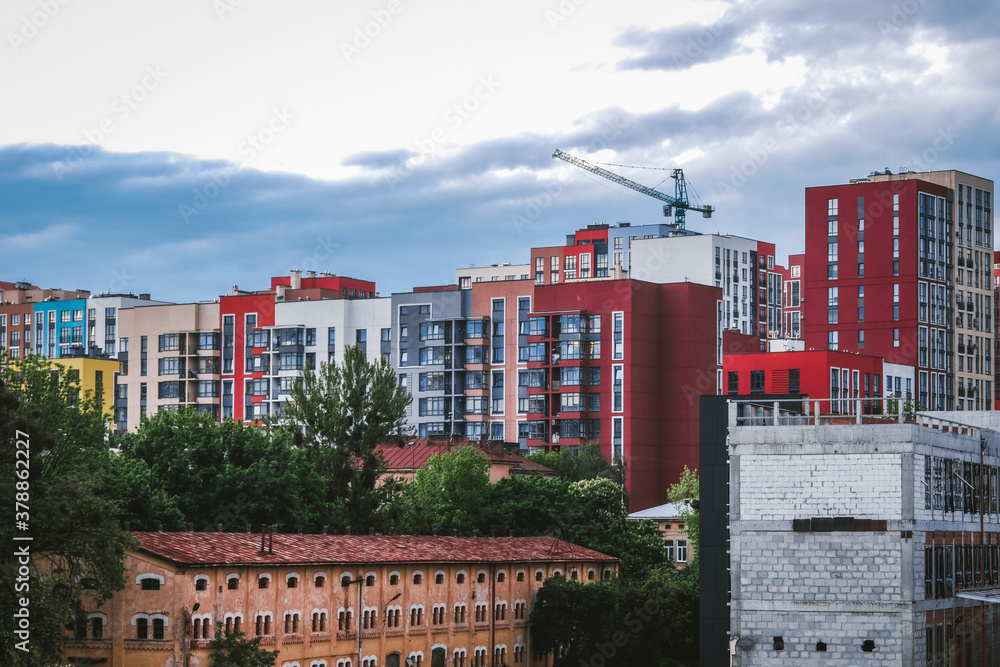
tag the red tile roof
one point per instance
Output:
(207, 549)
(413, 456)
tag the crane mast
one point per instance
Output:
(678, 202)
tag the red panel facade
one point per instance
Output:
(667, 355)
(815, 374)
(863, 258)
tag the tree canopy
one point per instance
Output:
(340, 414)
(76, 540)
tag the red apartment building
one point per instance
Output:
(791, 301)
(898, 266)
(246, 340)
(623, 362)
(818, 374)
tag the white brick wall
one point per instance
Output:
(786, 487)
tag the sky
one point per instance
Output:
(180, 147)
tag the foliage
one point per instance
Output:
(183, 467)
(586, 463)
(75, 530)
(447, 493)
(626, 621)
(230, 648)
(685, 494)
(340, 414)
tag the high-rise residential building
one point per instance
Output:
(899, 266)
(260, 358)
(17, 307)
(791, 302)
(621, 362)
(170, 357)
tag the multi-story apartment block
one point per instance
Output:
(17, 307)
(492, 273)
(622, 362)
(872, 543)
(906, 276)
(102, 319)
(170, 356)
(332, 600)
(743, 268)
(791, 303)
(251, 386)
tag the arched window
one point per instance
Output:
(501, 577)
(233, 581)
(263, 580)
(460, 578)
(319, 580)
(417, 578)
(149, 581)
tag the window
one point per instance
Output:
(263, 581)
(757, 382)
(682, 551)
(150, 584)
(418, 578)
(232, 582)
(141, 628)
(170, 342)
(292, 582)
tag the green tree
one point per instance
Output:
(650, 620)
(76, 537)
(588, 462)
(341, 413)
(231, 649)
(447, 493)
(685, 494)
(183, 467)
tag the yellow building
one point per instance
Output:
(94, 375)
(419, 600)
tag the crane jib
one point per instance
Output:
(678, 202)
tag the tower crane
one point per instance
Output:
(679, 201)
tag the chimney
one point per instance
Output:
(310, 274)
(296, 279)
(280, 292)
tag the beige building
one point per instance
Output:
(439, 601)
(170, 357)
(675, 540)
(971, 248)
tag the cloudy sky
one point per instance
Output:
(181, 146)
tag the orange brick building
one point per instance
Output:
(439, 601)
